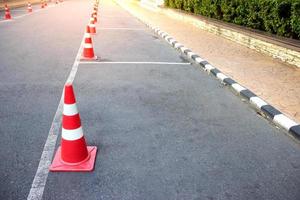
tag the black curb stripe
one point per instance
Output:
(203, 63)
(295, 130)
(181, 45)
(270, 111)
(195, 56)
(229, 81)
(215, 71)
(247, 93)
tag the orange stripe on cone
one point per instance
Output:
(73, 154)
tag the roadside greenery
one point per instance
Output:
(281, 17)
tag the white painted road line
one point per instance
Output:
(123, 28)
(40, 178)
(143, 63)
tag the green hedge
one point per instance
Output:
(281, 17)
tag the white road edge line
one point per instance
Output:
(40, 178)
(122, 28)
(144, 63)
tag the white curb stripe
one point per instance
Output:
(183, 49)
(221, 76)
(238, 87)
(199, 60)
(209, 67)
(172, 40)
(72, 135)
(284, 121)
(168, 37)
(70, 109)
(177, 45)
(258, 102)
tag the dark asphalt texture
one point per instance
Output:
(163, 131)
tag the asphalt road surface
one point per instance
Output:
(164, 128)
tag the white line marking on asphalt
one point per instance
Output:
(19, 10)
(144, 63)
(40, 178)
(20, 16)
(121, 28)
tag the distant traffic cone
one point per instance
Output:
(92, 26)
(46, 4)
(29, 8)
(56, 2)
(94, 16)
(73, 154)
(7, 13)
(43, 5)
(88, 50)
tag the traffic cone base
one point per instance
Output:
(95, 58)
(87, 165)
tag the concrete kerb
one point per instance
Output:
(267, 110)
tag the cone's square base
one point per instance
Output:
(95, 58)
(87, 166)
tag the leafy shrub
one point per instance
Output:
(281, 17)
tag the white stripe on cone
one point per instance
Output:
(88, 46)
(70, 109)
(72, 135)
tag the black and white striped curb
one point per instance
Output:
(269, 111)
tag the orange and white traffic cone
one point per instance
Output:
(92, 26)
(46, 4)
(73, 155)
(94, 15)
(29, 8)
(56, 2)
(42, 5)
(7, 13)
(88, 50)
